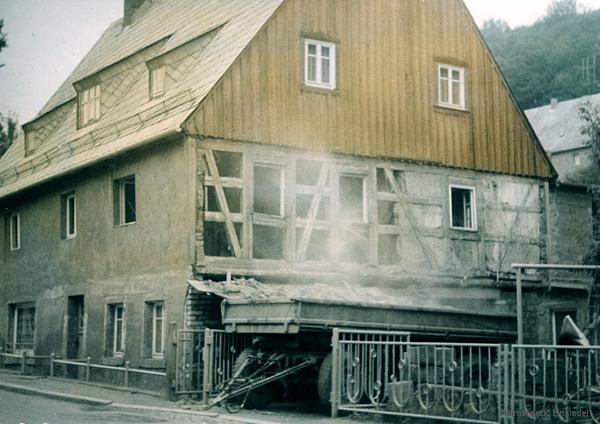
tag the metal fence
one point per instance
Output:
(188, 373)
(468, 383)
(221, 349)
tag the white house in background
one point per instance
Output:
(559, 129)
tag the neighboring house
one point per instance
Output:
(558, 127)
(344, 153)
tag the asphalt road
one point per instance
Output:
(23, 409)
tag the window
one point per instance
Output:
(124, 196)
(157, 82)
(462, 208)
(21, 327)
(14, 226)
(69, 216)
(269, 208)
(353, 198)
(223, 196)
(115, 330)
(155, 329)
(577, 159)
(89, 105)
(320, 64)
(451, 86)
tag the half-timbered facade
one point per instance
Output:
(348, 152)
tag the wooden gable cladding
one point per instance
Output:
(385, 101)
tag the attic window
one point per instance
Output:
(320, 64)
(89, 105)
(157, 82)
(451, 86)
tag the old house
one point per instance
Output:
(365, 161)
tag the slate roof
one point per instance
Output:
(558, 128)
(159, 26)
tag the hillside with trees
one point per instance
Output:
(558, 56)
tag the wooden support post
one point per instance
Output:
(171, 360)
(1, 358)
(52, 357)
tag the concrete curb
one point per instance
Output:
(220, 417)
(55, 395)
(125, 406)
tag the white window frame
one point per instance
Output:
(15, 236)
(577, 159)
(157, 81)
(89, 104)
(155, 329)
(365, 189)
(331, 85)
(68, 218)
(449, 83)
(115, 323)
(122, 201)
(473, 191)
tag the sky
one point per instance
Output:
(48, 38)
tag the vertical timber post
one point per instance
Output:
(335, 373)
(52, 357)
(1, 358)
(23, 361)
(171, 360)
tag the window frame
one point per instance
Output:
(68, 218)
(157, 75)
(449, 82)
(577, 159)
(11, 230)
(318, 83)
(121, 206)
(282, 191)
(154, 353)
(16, 311)
(473, 191)
(115, 322)
(87, 98)
(365, 196)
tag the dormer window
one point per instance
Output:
(320, 64)
(89, 105)
(157, 81)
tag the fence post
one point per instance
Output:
(171, 360)
(23, 361)
(88, 362)
(506, 408)
(335, 373)
(126, 373)
(1, 358)
(52, 364)
(207, 362)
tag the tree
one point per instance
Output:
(8, 132)
(559, 9)
(3, 42)
(495, 27)
(8, 124)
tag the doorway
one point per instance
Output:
(75, 327)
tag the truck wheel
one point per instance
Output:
(324, 382)
(260, 397)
